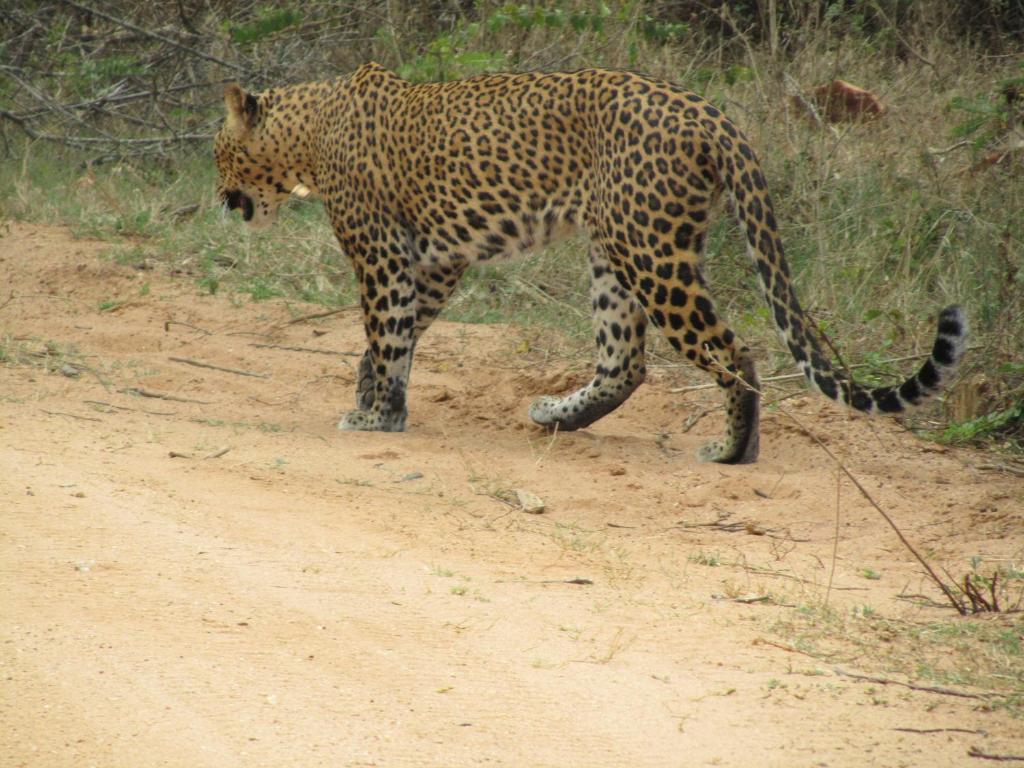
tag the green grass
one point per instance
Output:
(710, 559)
(50, 355)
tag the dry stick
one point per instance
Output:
(544, 295)
(960, 607)
(783, 646)
(942, 730)
(1001, 468)
(305, 349)
(169, 323)
(155, 36)
(318, 315)
(976, 752)
(864, 492)
(200, 364)
(70, 415)
(951, 148)
(126, 408)
(914, 686)
(693, 418)
(835, 540)
(917, 555)
(796, 93)
(148, 393)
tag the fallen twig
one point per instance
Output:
(957, 604)
(305, 349)
(942, 730)
(185, 210)
(741, 526)
(785, 647)
(797, 94)
(200, 364)
(947, 150)
(318, 315)
(169, 323)
(915, 686)
(159, 396)
(975, 752)
(1001, 468)
(113, 407)
(545, 296)
(70, 415)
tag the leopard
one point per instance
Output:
(421, 180)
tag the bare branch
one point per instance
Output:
(155, 36)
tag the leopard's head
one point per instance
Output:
(252, 174)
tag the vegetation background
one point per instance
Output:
(107, 111)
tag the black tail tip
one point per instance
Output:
(953, 321)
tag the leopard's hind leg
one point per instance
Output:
(689, 321)
(619, 326)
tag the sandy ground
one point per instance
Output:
(317, 598)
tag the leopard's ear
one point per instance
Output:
(242, 109)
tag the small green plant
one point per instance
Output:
(1008, 420)
(990, 116)
(268, 21)
(210, 284)
(865, 612)
(710, 559)
(446, 57)
(870, 573)
(574, 538)
(525, 16)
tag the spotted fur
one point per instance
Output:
(420, 181)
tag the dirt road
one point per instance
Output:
(218, 577)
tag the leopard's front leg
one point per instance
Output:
(434, 283)
(388, 298)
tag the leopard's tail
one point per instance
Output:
(742, 176)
